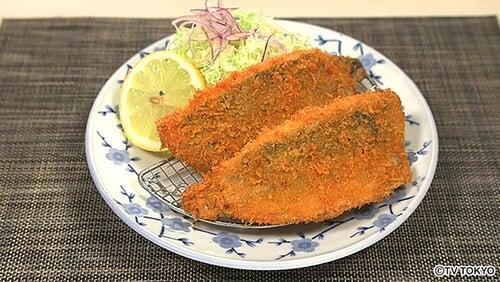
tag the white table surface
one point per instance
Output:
(278, 8)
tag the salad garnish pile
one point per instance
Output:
(221, 40)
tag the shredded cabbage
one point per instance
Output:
(192, 44)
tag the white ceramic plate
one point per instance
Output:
(114, 164)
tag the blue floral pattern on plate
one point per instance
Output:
(156, 205)
(176, 224)
(230, 241)
(368, 61)
(115, 164)
(365, 212)
(227, 241)
(135, 209)
(304, 245)
(413, 155)
(119, 157)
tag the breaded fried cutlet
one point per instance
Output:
(314, 167)
(221, 119)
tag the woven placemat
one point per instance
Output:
(54, 225)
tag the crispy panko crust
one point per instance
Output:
(314, 167)
(221, 119)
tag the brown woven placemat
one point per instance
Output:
(54, 225)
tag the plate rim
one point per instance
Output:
(256, 264)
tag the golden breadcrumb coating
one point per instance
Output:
(221, 119)
(314, 167)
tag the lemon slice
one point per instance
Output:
(158, 84)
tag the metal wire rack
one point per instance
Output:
(168, 179)
(366, 84)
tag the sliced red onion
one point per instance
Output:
(266, 47)
(219, 25)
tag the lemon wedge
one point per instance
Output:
(158, 84)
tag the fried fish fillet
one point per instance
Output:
(221, 119)
(316, 166)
